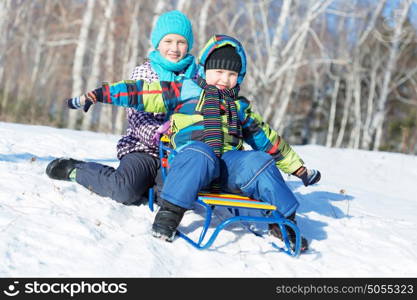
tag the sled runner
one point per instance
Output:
(233, 203)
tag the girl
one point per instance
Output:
(172, 38)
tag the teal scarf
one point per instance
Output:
(165, 69)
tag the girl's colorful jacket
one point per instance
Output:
(182, 101)
(141, 126)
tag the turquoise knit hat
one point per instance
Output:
(172, 22)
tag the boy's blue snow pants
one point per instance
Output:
(250, 173)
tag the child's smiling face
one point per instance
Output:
(173, 47)
(221, 78)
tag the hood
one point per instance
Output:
(218, 41)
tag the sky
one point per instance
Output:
(360, 218)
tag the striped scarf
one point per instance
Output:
(213, 135)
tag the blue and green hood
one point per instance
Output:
(218, 41)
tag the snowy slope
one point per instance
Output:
(360, 218)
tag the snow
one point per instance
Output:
(360, 218)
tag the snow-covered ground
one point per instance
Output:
(360, 218)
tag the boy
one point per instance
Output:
(209, 123)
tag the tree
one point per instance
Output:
(394, 51)
(81, 49)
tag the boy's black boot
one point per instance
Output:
(167, 220)
(61, 168)
(275, 231)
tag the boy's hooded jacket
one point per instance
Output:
(183, 100)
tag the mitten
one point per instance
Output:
(308, 176)
(87, 104)
(73, 103)
(161, 130)
(85, 101)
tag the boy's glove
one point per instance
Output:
(308, 176)
(161, 130)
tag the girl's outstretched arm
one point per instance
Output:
(156, 96)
